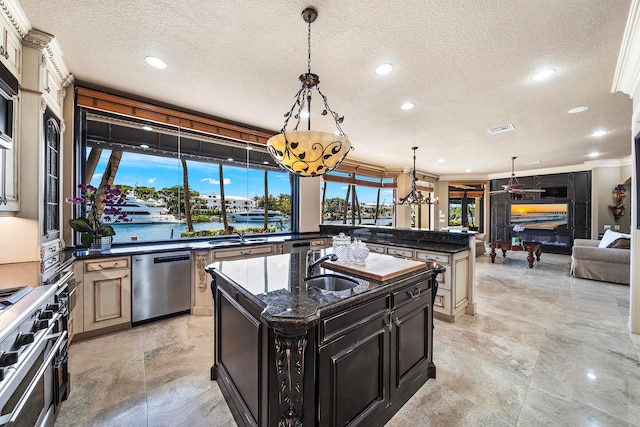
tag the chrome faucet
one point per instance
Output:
(312, 267)
(241, 234)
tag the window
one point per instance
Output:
(52, 177)
(226, 181)
(372, 196)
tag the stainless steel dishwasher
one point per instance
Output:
(160, 285)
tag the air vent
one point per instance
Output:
(500, 129)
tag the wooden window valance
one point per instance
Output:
(96, 100)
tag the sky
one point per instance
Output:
(161, 172)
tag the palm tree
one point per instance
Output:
(324, 197)
(223, 205)
(266, 200)
(186, 195)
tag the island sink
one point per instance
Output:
(331, 282)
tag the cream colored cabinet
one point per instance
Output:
(9, 201)
(454, 283)
(10, 48)
(106, 293)
(243, 252)
(52, 87)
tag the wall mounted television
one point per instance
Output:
(540, 215)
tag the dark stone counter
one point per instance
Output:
(440, 241)
(276, 284)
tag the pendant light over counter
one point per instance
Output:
(415, 196)
(309, 153)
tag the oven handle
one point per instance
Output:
(61, 338)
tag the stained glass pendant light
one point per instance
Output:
(305, 152)
(415, 196)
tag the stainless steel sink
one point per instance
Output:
(331, 282)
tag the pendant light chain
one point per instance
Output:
(309, 48)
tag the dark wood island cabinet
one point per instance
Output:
(288, 355)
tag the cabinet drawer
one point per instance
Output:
(379, 249)
(318, 244)
(442, 303)
(433, 256)
(403, 253)
(246, 251)
(444, 279)
(106, 264)
(340, 323)
(414, 291)
(50, 248)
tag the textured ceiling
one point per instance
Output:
(465, 64)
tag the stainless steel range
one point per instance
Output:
(33, 352)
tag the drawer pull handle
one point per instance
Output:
(415, 294)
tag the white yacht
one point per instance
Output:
(257, 215)
(144, 212)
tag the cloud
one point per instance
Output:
(151, 180)
(213, 181)
(96, 176)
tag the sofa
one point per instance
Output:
(607, 260)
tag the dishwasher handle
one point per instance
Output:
(171, 258)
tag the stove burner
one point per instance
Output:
(10, 296)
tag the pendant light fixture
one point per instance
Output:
(415, 196)
(309, 153)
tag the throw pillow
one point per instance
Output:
(611, 236)
(621, 243)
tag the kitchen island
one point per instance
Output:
(292, 355)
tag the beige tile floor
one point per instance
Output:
(544, 349)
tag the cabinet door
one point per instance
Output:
(107, 299)
(411, 348)
(10, 49)
(353, 375)
(8, 181)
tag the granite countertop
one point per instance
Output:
(447, 242)
(276, 283)
(197, 245)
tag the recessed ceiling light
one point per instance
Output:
(380, 154)
(249, 147)
(383, 69)
(147, 127)
(265, 163)
(156, 62)
(594, 154)
(144, 146)
(230, 159)
(578, 109)
(541, 75)
(407, 106)
(467, 170)
(532, 162)
(440, 160)
(599, 133)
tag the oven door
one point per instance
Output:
(31, 403)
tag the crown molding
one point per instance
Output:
(14, 14)
(627, 74)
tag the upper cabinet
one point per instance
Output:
(10, 48)
(52, 90)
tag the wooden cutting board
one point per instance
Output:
(377, 267)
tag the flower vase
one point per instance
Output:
(100, 244)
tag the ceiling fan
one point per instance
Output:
(513, 186)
